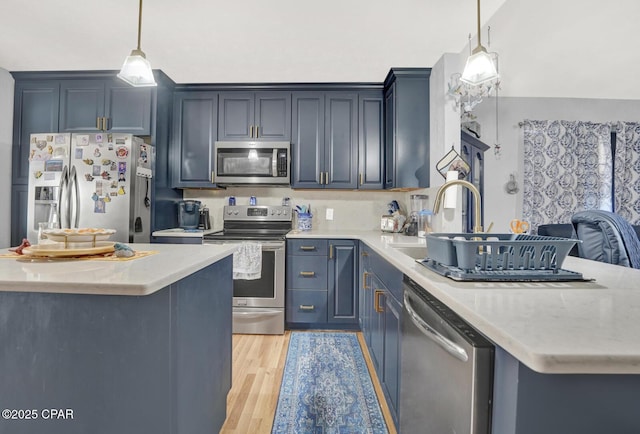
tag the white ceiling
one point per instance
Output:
(563, 48)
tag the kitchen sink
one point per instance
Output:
(417, 252)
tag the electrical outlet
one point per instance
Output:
(329, 213)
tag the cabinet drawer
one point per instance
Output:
(307, 247)
(306, 272)
(306, 306)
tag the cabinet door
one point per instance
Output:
(391, 369)
(342, 272)
(194, 133)
(376, 301)
(81, 104)
(19, 204)
(370, 138)
(364, 285)
(128, 109)
(36, 109)
(236, 116)
(389, 137)
(273, 116)
(307, 141)
(341, 140)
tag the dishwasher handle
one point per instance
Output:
(450, 347)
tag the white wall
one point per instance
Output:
(499, 206)
(6, 131)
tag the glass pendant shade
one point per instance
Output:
(480, 68)
(136, 70)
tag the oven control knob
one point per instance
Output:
(284, 212)
(272, 212)
(235, 212)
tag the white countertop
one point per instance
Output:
(141, 276)
(560, 327)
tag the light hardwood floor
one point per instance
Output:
(258, 363)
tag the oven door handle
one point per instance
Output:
(450, 347)
(251, 315)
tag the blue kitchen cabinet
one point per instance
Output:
(19, 202)
(321, 284)
(370, 141)
(472, 151)
(195, 128)
(94, 105)
(36, 108)
(407, 128)
(380, 309)
(342, 274)
(264, 116)
(324, 140)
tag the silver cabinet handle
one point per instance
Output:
(450, 347)
(307, 307)
(307, 273)
(251, 131)
(307, 248)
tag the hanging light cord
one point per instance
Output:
(140, 25)
(479, 43)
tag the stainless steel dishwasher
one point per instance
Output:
(446, 369)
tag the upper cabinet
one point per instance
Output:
(407, 128)
(324, 140)
(262, 116)
(473, 152)
(370, 141)
(104, 105)
(194, 133)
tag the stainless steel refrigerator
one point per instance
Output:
(91, 181)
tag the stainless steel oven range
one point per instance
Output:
(258, 305)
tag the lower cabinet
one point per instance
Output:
(380, 303)
(321, 284)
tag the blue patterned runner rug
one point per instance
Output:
(326, 387)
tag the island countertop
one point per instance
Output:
(552, 327)
(137, 277)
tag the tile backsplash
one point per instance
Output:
(352, 209)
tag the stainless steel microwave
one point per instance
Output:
(237, 163)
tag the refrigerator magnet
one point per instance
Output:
(78, 154)
(49, 138)
(94, 197)
(88, 161)
(96, 171)
(41, 144)
(82, 139)
(59, 140)
(113, 166)
(121, 177)
(121, 141)
(99, 188)
(107, 199)
(99, 206)
(110, 138)
(121, 190)
(122, 152)
(88, 177)
(53, 166)
(97, 153)
(98, 138)
(106, 162)
(113, 193)
(114, 184)
(122, 167)
(105, 175)
(37, 174)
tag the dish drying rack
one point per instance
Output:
(499, 257)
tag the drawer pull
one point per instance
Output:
(307, 307)
(364, 280)
(307, 273)
(365, 254)
(307, 248)
(376, 300)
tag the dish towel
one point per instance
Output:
(247, 261)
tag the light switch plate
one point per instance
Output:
(329, 213)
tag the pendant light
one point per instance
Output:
(480, 67)
(136, 69)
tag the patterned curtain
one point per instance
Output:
(567, 168)
(627, 171)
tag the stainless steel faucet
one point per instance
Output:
(477, 228)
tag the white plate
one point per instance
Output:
(78, 235)
(59, 251)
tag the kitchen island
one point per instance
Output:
(567, 353)
(126, 346)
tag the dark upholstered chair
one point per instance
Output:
(606, 237)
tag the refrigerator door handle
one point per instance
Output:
(76, 211)
(63, 208)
